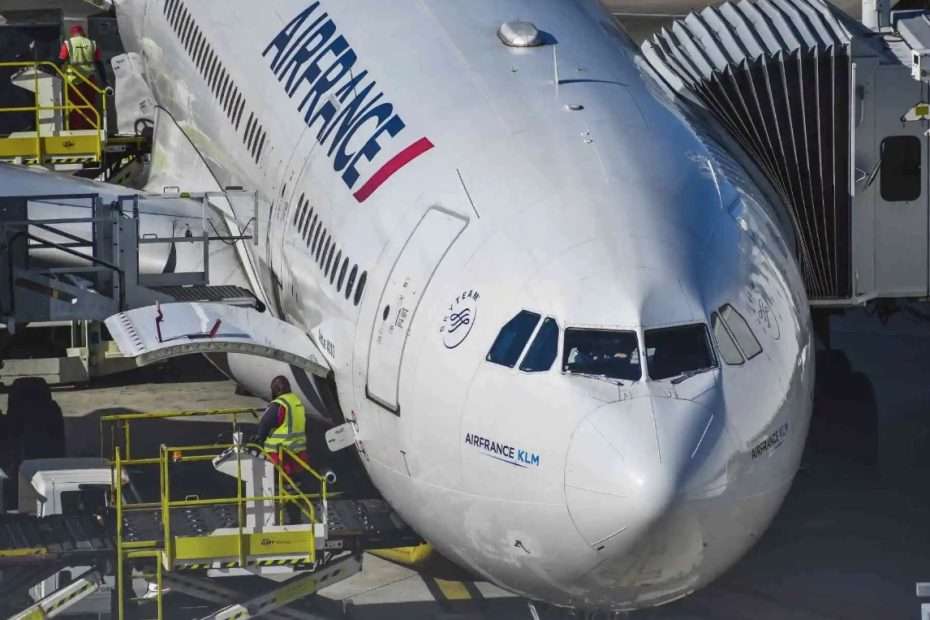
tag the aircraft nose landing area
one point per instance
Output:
(626, 464)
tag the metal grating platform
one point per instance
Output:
(777, 75)
(232, 295)
(371, 523)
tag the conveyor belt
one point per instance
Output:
(25, 538)
(368, 524)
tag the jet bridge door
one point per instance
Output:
(899, 188)
(431, 240)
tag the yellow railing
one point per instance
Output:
(94, 115)
(171, 457)
(121, 424)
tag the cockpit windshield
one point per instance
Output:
(678, 352)
(602, 353)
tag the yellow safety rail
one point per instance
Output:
(121, 424)
(243, 544)
(70, 145)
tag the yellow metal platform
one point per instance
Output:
(52, 141)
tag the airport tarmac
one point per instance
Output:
(850, 542)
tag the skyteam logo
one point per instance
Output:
(319, 70)
(459, 319)
(503, 452)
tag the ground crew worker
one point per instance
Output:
(284, 425)
(81, 58)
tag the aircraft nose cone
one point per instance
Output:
(626, 463)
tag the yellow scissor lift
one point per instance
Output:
(221, 533)
(53, 143)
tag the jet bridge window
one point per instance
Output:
(545, 347)
(730, 327)
(900, 169)
(601, 353)
(678, 352)
(512, 339)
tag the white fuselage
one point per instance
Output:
(420, 184)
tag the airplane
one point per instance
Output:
(562, 315)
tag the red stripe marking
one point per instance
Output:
(387, 171)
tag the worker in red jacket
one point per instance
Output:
(81, 59)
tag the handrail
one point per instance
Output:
(83, 106)
(176, 454)
(287, 490)
(125, 420)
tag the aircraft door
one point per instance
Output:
(429, 243)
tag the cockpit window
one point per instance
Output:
(512, 339)
(602, 353)
(741, 332)
(725, 343)
(544, 349)
(678, 352)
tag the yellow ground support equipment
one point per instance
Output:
(195, 531)
(60, 601)
(52, 142)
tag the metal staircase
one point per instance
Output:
(103, 275)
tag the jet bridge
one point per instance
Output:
(835, 115)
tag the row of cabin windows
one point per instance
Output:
(214, 73)
(675, 353)
(323, 249)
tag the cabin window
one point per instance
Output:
(512, 339)
(309, 230)
(342, 274)
(198, 48)
(318, 246)
(600, 353)
(335, 269)
(329, 259)
(360, 289)
(742, 334)
(321, 257)
(350, 285)
(239, 108)
(545, 348)
(316, 237)
(678, 352)
(901, 169)
(725, 343)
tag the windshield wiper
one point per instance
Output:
(603, 377)
(690, 373)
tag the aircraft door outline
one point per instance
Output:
(410, 276)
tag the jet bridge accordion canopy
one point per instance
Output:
(777, 74)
